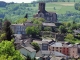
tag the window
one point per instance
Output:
(56, 47)
(53, 47)
(60, 50)
(73, 51)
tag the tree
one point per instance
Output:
(38, 21)
(62, 29)
(33, 31)
(70, 37)
(22, 20)
(26, 16)
(7, 30)
(8, 52)
(47, 29)
(3, 36)
(36, 46)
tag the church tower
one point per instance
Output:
(42, 7)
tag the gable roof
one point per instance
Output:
(29, 49)
(48, 24)
(49, 53)
(57, 44)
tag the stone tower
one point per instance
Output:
(42, 7)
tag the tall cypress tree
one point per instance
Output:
(7, 30)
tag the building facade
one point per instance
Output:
(48, 16)
(73, 51)
(20, 28)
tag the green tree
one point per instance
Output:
(3, 36)
(62, 29)
(8, 52)
(22, 20)
(33, 31)
(36, 46)
(38, 21)
(70, 37)
(7, 30)
(47, 29)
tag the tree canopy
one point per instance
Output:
(7, 30)
(33, 31)
(7, 51)
(36, 46)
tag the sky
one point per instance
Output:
(19, 1)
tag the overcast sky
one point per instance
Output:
(19, 1)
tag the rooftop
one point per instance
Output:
(57, 44)
(29, 49)
(48, 24)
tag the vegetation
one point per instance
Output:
(7, 31)
(21, 20)
(59, 0)
(15, 11)
(77, 6)
(36, 46)
(33, 31)
(62, 29)
(7, 51)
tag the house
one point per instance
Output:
(73, 51)
(48, 16)
(20, 28)
(76, 31)
(57, 46)
(49, 55)
(64, 48)
(28, 51)
(44, 45)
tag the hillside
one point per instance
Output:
(15, 11)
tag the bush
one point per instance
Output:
(36, 46)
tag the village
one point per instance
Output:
(54, 48)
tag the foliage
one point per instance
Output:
(36, 46)
(58, 0)
(22, 20)
(33, 31)
(38, 20)
(7, 51)
(70, 37)
(62, 29)
(47, 29)
(7, 30)
(77, 6)
(3, 36)
(28, 57)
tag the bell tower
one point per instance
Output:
(42, 7)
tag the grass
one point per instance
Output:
(60, 7)
(73, 41)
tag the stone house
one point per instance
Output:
(73, 51)
(57, 46)
(69, 50)
(20, 28)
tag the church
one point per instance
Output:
(50, 17)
